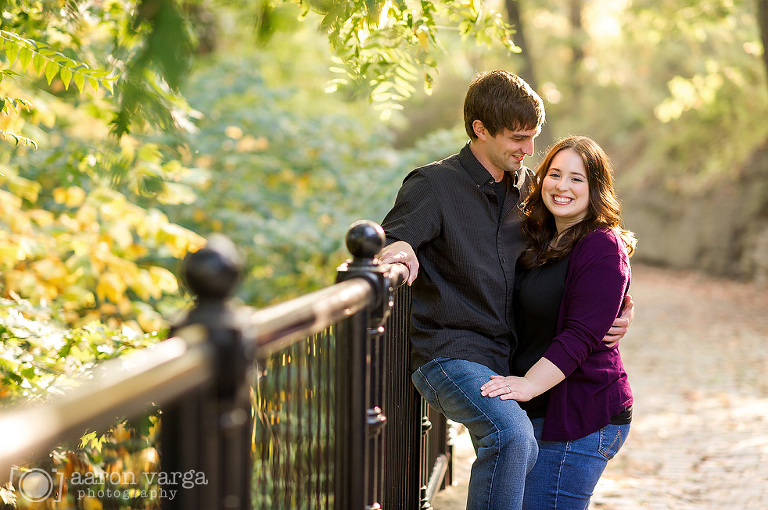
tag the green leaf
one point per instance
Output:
(11, 52)
(39, 63)
(108, 84)
(51, 70)
(23, 102)
(94, 83)
(79, 81)
(25, 57)
(66, 76)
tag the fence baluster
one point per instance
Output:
(209, 431)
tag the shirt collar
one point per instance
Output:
(481, 175)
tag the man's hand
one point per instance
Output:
(402, 253)
(621, 325)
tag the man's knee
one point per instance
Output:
(518, 439)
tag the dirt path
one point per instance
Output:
(697, 358)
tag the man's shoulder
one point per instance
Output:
(452, 162)
(437, 172)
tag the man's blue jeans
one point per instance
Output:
(566, 472)
(501, 432)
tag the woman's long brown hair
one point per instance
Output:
(603, 211)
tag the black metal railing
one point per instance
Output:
(305, 404)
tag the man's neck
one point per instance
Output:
(496, 173)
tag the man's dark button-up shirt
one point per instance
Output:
(462, 299)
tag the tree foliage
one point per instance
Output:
(382, 48)
(125, 145)
(670, 86)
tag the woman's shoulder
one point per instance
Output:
(602, 240)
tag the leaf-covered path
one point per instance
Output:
(697, 358)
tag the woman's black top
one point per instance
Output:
(538, 294)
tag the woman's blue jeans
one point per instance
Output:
(501, 432)
(566, 472)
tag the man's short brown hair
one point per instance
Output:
(500, 99)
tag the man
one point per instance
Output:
(456, 225)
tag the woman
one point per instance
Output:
(570, 288)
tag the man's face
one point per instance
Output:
(506, 150)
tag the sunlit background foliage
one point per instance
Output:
(131, 130)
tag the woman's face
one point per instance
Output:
(565, 189)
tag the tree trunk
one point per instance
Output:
(528, 70)
(577, 48)
(762, 22)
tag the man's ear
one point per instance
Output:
(479, 128)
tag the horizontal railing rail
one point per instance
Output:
(200, 377)
(125, 386)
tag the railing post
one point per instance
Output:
(208, 433)
(360, 377)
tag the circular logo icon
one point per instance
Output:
(36, 485)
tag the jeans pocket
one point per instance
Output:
(426, 390)
(612, 438)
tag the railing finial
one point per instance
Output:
(365, 239)
(213, 271)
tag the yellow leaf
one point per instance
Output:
(9, 203)
(163, 279)
(121, 235)
(42, 217)
(87, 219)
(10, 254)
(24, 187)
(59, 195)
(50, 268)
(423, 36)
(74, 196)
(76, 297)
(150, 321)
(110, 287)
(144, 287)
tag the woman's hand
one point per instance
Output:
(542, 376)
(509, 388)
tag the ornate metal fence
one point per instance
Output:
(305, 404)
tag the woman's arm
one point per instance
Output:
(597, 282)
(542, 376)
(595, 290)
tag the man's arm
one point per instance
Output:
(621, 325)
(402, 253)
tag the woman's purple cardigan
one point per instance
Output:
(596, 386)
